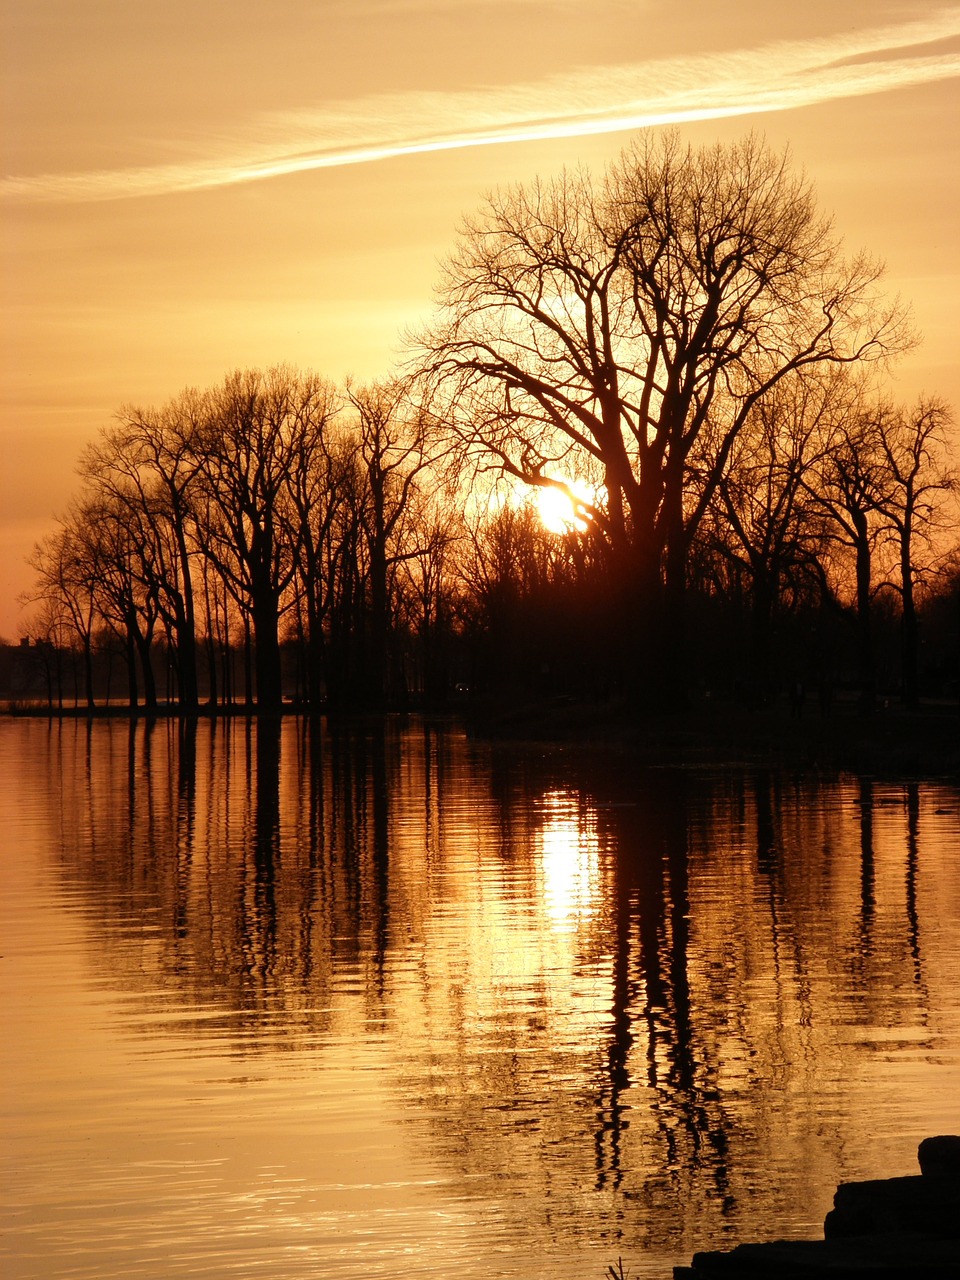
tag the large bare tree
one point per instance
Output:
(621, 332)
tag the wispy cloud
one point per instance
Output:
(376, 8)
(777, 77)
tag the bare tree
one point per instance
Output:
(66, 585)
(260, 430)
(116, 541)
(914, 447)
(763, 519)
(847, 487)
(397, 444)
(53, 636)
(881, 484)
(624, 333)
(320, 487)
(345, 572)
(149, 461)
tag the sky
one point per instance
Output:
(195, 186)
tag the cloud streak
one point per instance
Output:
(777, 77)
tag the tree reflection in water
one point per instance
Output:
(641, 1003)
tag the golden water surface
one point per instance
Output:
(284, 1001)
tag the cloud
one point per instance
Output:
(372, 8)
(777, 77)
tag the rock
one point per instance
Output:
(898, 1228)
(896, 1206)
(857, 1258)
(940, 1157)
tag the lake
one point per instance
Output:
(289, 1001)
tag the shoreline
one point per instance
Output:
(890, 742)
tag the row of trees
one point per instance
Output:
(271, 506)
(682, 351)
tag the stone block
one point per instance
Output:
(940, 1157)
(896, 1206)
(858, 1258)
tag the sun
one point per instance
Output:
(556, 508)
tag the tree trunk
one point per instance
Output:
(316, 664)
(642, 630)
(909, 639)
(186, 629)
(88, 671)
(266, 628)
(379, 625)
(247, 663)
(672, 691)
(130, 653)
(865, 659)
(761, 629)
(189, 695)
(144, 651)
(672, 684)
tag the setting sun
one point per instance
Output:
(557, 509)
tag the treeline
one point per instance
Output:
(270, 537)
(681, 354)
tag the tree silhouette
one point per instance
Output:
(882, 479)
(396, 445)
(117, 542)
(762, 519)
(66, 585)
(259, 432)
(149, 461)
(914, 449)
(680, 348)
(320, 490)
(625, 332)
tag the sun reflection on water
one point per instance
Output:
(568, 854)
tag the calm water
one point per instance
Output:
(284, 1003)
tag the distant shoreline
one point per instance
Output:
(891, 741)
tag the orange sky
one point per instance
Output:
(194, 186)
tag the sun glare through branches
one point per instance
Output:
(558, 509)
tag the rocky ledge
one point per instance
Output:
(908, 1228)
